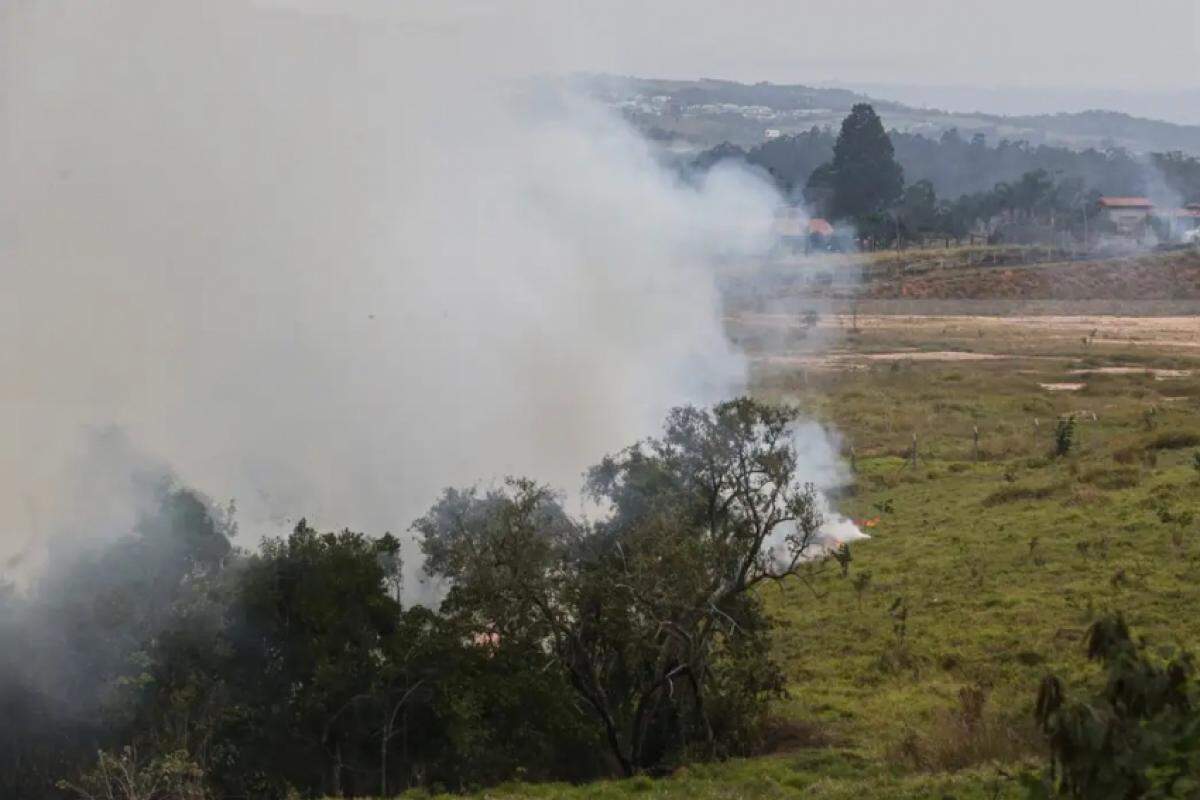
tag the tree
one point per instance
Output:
(312, 625)
(866, 177)
(818, 190)
(647, 613)
(919, 209)
(79, 670)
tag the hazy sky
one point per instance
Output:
(1151, 44)
(1092, 44)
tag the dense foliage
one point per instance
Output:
(1138, 737)
(646, 613)
(564, 648)
(863, 178)
(959, 166)
(858, 175)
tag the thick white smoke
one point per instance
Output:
(323, 264)
(328, 263)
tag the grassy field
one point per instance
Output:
(914, 675)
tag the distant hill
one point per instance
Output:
(703, 113)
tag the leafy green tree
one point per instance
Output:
(1138, 737)
(1181, 173)
(918, 208)
(819, 188)
(648, 613)
(311, 626)
(80, 667)
(866, 178)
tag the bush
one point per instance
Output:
(1018, 492)
(1130, 454)
(1135, 738)
(172, 776)
(1119, 478)
(965, 736)
(1173, 440)
(1064, 436)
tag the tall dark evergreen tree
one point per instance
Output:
(866, 177)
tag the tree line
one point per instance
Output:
(894, 185)
(563, 648)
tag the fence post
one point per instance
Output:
(914, 451)
(976, 437)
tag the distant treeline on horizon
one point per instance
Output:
(956, 165)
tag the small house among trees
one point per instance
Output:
(1128, 216)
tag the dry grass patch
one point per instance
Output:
(967, 735)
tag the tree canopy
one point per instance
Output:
(645, 611)
(564, 648)
(865, 177)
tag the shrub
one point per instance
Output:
(1173, 440)
(965, 736)
(1064, 435)
(1017, 492)
(172, 776)
(1136, 737)
(1130, 454)
(1119, 478)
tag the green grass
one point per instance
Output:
(825, 774)
(1002, 562)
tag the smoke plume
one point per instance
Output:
(327, 263)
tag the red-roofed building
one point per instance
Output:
(1128, 215)
(1126, 202)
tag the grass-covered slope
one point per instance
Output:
(914, 675)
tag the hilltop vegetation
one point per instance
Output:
(956, 163)
(708, 112)
(886, 189)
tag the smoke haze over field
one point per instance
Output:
(316, 263)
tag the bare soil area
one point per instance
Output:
(1153, 276)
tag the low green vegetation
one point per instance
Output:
(1008, 523)
(916, 673)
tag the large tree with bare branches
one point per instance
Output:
(650, 611)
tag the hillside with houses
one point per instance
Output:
(703, 113)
